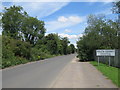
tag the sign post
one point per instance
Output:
(98, 61)
(105, 53)
(109, 61)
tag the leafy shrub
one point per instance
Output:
(18, 52)
(14, 52)
(22, 49)
(39, 54)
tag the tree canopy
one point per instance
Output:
(101, 33)
(24, 40)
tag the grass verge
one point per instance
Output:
(111, 72)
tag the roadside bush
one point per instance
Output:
(13, 61)
(14, 52)
(22, 49)
(39, 54)
(20, 60)
(18, 52)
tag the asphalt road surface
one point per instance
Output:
(39, 74)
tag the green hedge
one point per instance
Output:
(19, 52)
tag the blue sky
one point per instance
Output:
(68, 19)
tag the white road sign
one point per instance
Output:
(105, 52)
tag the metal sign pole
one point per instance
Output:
(109, 61)
(98, 60)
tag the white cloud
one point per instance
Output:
(62, 19)
(68, 31)
(40, 9)
(75, 19)
(71, 19)
(70, 36)
(63, 22)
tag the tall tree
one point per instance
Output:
(72, 48)
(12, 20)
(99, 34)
(65, 42)
(33, 30)
(52, 42)
(69, 50)
(116, 8)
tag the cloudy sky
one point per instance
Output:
(68, 19)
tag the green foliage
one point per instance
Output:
(39, 54)
(33, 30)
(68, 50)
(13, 61)
(13, 53)
(17, 24)
(24, 40)
(72, 48)
(116, 7)
(57, 45)
(12, 21)
(64, 43)
(22, 49)
(52, 43)
(99, 34)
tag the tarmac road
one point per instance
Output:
(38, 74)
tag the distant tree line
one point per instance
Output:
(101, 33)
(24, 40)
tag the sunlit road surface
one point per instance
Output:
(40, 74)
